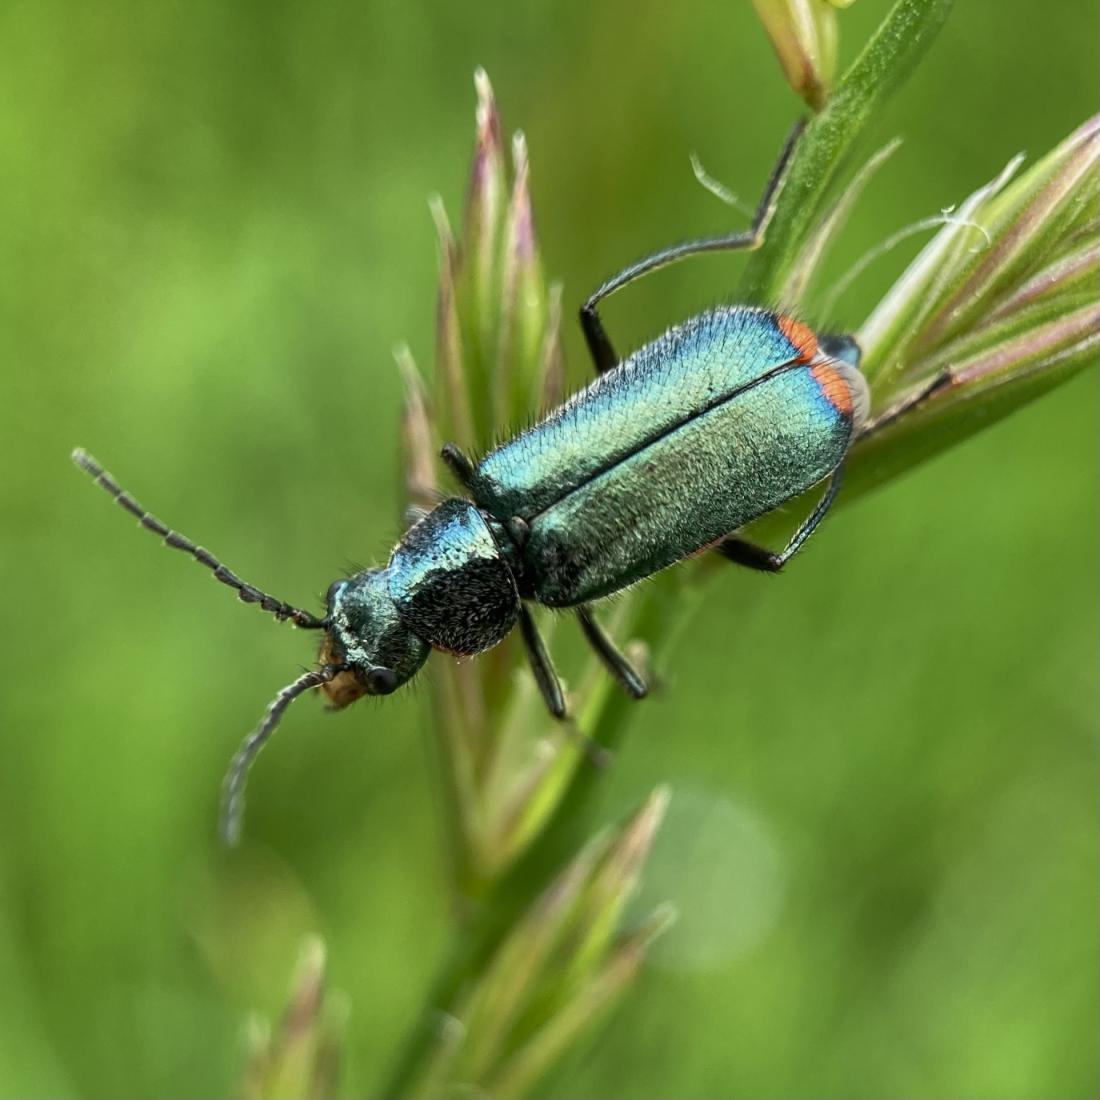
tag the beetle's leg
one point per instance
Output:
(545, 676)
(550, 686)
(615, 662)
(747, 553)
(599, 344)
(941, 381)
(459, 464)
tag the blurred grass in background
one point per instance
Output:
(882, 838)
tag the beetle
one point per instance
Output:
(667, 453)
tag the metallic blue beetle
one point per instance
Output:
(665, 454)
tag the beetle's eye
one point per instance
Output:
(381, 681)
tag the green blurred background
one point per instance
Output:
(883, 836)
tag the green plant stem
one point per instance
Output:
(662, 612)
(887, 59)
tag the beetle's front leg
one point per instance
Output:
(541, 665)
(599, 344)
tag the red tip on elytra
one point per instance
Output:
(834, 386)
(802, 336)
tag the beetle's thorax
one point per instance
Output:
(451, 581)
(448, 585)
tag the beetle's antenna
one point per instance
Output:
(247, 592)
(232, 812)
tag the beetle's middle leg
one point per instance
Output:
(550, 687)
(599, 344)
(743, 552)
(630, 680)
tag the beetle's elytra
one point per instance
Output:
(666, 453)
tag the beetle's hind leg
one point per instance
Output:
(742, 552)
(599, 344)
(941, 381)
(628, 677)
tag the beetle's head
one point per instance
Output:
(365, 635)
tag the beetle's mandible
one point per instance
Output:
(667, 453)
